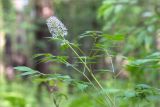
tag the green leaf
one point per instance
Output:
(142, 61)
(113, 37)
(130, 94)
(143, 86)
(154, 55)
(81, 85)
(57, 77)
(64, 46)
(25, 70)
(90, 34)
(51, 58)
(27, 73)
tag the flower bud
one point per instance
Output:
(56, 27)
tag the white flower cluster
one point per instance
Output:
(56, 27)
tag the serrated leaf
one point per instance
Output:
(90, 34)
(51, 58)
(27, 73)
(24, 69)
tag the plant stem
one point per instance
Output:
(54, 100)
(90, 73)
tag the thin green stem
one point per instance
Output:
(85, 76)
(113, 70)
(82, 74)
(111, 61)
(90, 72)
(54, 100)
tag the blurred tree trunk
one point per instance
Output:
(2, 42)
(43, 10)
(15, 46)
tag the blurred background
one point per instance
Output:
(23, 33)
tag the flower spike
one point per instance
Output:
(56, 27)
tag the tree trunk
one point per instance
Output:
(43, 10)
(2, 42)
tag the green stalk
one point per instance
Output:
(90, 73)
(83, 75)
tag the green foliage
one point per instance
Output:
(82, 101)
(149, 64)
(40, 77)
(26, 70)
(9, 16)
(14, 94)
(15, 99)
(143, 92)
(129, 29)
(82, 15)
(85, 61)
(137, 20)
(140, 92)
(49, 57)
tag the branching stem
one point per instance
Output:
(90, 72)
